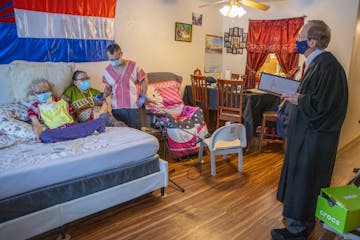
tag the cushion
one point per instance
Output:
(5, 95)
(164, 96)
(6, 141)
(14, 110)
(16, 128)
(22, 74)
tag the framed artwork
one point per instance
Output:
(236, 32)
(196, 19)
(231, 31)
(244, 37)
(235, 40)
(183, 32)
(213, 53)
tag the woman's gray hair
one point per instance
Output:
(320, 32)
(34, 86)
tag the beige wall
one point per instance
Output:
(145, 31)
(351, 128)
(341, 17)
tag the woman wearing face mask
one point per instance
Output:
(82, 99)
(51, 119)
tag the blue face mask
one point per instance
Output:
(43, 97)
(84, 85)
(302, 46)
(115, 63)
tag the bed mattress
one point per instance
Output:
(29, 166)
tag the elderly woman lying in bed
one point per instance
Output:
(54, 113)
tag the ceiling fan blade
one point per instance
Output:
(208, 4)
(254, 4)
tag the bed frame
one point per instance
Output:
(14, 78)
(44, 220)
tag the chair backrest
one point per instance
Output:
(229, 133)
(235, 76)
(229, 94)
(163, 76)
(199, 91)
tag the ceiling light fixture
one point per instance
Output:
(232, 10)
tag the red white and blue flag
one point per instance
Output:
(56, 30)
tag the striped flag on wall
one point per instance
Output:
(56, 30)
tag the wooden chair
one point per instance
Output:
(235, 76)
(229, 100)
(268, 133)
(200, 94)
(225, 140)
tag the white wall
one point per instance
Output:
(145, 32)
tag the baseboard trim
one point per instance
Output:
(349, 145)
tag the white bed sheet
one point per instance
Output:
(28, 166)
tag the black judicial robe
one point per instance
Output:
(313, 134)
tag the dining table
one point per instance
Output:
(255, 102)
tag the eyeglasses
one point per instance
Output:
(83, 79)
(41, 92)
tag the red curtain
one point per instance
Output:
(272, 36)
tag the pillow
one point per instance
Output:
(165, 93)
(5, 94)
(6, 141)
(14, 110)
(22, 74)
(15, 128)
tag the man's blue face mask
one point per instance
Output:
(115, 63)
(302, 46)
(43, 97)
(84, 85)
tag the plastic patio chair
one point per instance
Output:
(228, 139)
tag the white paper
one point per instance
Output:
(277, 85)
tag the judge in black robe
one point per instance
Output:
(313, 133)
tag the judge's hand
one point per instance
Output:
(291, 98)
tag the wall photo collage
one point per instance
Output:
(235, 40)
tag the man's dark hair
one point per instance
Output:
(112, 48)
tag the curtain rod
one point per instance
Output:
(304, 16)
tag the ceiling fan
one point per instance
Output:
(233, 7)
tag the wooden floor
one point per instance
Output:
(229, 206)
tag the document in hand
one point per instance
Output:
(277, 85)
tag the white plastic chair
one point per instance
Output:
(225, 140)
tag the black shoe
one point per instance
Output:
(284, 234)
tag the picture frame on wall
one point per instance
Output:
(236, 32)
(231, 32)
(183, 32)
(236, 42)
(244, 37)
